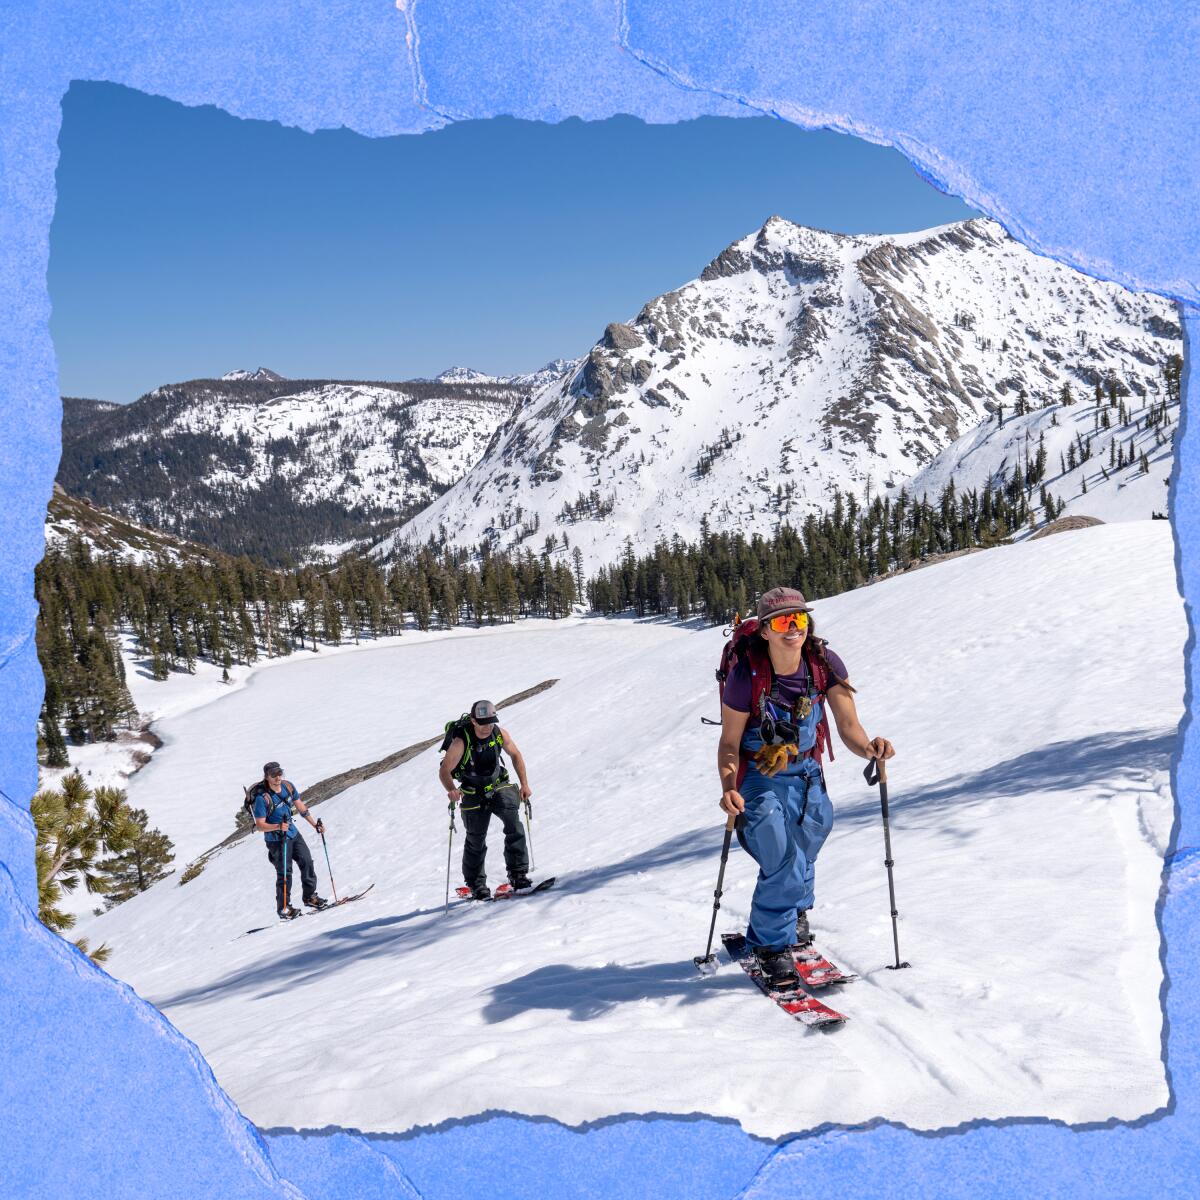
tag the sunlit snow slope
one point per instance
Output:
(1033, 694)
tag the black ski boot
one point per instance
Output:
(289, 913)
(317, 902)
(481, 891)
(778, 968)
(520, 881)
(804, 935)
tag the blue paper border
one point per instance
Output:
(1075, 128)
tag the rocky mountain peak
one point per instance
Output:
(799, 361)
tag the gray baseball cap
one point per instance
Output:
(484, 711)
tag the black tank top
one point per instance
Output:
(484, 766)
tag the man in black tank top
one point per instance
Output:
(473, 774)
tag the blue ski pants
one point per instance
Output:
(787, 819)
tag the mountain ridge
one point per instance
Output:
(862, 356)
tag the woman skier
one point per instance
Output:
(773, 731)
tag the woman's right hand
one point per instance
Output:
(732, 802)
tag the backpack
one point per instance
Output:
(744, 646)
(460, 727)
(255, 790)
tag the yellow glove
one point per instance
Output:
(770, 760)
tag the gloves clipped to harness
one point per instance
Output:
(779, 743)
(770, 760)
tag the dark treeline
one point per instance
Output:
(229, 611)
(842, 549)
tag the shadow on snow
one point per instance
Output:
(586, 992)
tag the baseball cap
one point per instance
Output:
(484, 711)
(781, 600)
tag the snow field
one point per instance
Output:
(1033, 694)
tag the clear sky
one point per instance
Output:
(187, 243)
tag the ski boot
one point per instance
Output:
(778, 968)
(317, 902)
(520, 881)
(289, 913)
(804, 935)
(481, 891)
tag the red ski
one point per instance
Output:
(797, 1003)
(816, 970)
(506, 891)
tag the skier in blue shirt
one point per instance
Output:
(276, 801)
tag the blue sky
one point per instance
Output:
(187, 242)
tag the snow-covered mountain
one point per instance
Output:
(259, 373)
(583, 1004)
(278, 467)
(552, 371)
(800, 361)
(464, 375)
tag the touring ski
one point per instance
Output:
(506, 891)
(816, 970)
(796, 1002)
(347, 899)
(312, 911)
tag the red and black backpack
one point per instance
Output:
(745, 646)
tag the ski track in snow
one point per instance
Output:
(1031, 809)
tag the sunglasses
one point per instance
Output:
(784, 621)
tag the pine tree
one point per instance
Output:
(145, 859)
(73, 827)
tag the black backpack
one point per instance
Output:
(460, 727)
(455, 729)
(255, 790)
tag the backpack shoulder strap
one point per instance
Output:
(819, 672)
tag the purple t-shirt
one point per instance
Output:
(785, 689)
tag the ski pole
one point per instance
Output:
(529, 830)
(321, 831)
(283, 834)
(449, 851)
(876, 772)
(706, 962)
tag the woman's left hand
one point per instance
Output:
(881, 748)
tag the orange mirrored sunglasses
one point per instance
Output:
(784, 621)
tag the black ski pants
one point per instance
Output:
(477, 812)
(298, 853)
